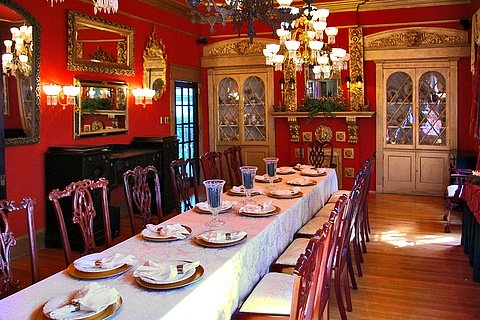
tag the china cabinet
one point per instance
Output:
(240, 101)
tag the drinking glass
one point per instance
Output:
(214, 190)
(248, 178)
(271, 169)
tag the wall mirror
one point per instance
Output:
(155, 66)
(102, 108)
(98, 45)
(21, 80)
(317, 88)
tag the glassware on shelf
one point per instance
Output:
(248, 178)
(214, 191)
(271, 169)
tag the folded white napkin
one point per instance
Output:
(110, 262)
(163, 271)
(175, 230)
(285, 170)
(241, 189)
(300, 181)
(476, 173)
(313, 171)
(288, 192)
(257, 208)
(217, 236)
(299, 166)
(93, 298)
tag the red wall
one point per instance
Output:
(25, 164)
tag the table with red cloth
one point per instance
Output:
(471, 226)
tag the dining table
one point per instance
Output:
(229, 273)
(471, 226)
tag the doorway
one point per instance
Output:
(186, 119)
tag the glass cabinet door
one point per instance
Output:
(254, 113)
(432, 111)
(399, 113)
(228, 110)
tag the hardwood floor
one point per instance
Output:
(413, 270)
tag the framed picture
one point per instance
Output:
(86, 128)
(6, 105)
(349, 172)
(297, 153)
(348, 153)
(340, 136)
(307, 136)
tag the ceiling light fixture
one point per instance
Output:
(106, 6)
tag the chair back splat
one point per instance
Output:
(139, 195)
(233, 156)
(83, 213)
(212, 165)
(184, 179)
(7, 241)
(316, 153)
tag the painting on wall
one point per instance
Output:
(349, 172)
(340, 136)
(307, 136)
(348, 153)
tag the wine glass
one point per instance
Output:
(271, 168)
(214, 190)
(248, 177)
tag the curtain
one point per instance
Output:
(475, 108)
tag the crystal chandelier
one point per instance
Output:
(269, 12)
(18, 52)
(302, 44)
(106, 6)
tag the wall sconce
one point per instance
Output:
(55, 93)
(143, 96)
(359, 81)
(291, 82)
(347, 82)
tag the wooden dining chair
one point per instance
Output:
(316, 153)
(212, 166)
(83, 213)
(184, 182)
(7, 241)
(302, 295)
(233, 157)
(139, 196)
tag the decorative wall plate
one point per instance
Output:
(323, 133)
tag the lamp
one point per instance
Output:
(55, 92)
(143, 96)
(106, 6)
(18, 52)
(241, 12)
(347, 82)
(303, 40)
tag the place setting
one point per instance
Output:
(286, 193)
(94, 301)
(101, 265)
(286, 170)
(169, 274)
(259, 210)
(301, 182)
(241, 191)
(313, 172)
(165, 232)
(220, 238)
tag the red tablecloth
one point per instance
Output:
(471, 195)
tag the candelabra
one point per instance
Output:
(18, 52)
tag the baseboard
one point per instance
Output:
(22, 247)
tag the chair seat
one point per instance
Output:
(272, 295)
(290, 255)
(334, 196)
(312, 226)
(326, 210)
(451, 189)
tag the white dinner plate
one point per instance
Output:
(62, 300)
(146, 233)
(93, 257)
(248, 209)
(178, 278)
(203, 206)
(233, 239)
(285, 170)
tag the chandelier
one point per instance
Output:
(106, 6)
(302, 44)
(18, 52)
(269, 12)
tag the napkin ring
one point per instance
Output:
(180, 269)
(228, 236)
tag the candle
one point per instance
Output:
(214, 197)
(247, 177)
(271, 169)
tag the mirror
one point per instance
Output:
(102, 108)
(98, 45)
(21, 92)
(317, 88)
(155, 66)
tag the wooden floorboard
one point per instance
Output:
(413, 270)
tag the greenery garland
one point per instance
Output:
(326, 105)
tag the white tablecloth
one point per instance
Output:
(230, 273)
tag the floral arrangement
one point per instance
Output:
(327, 105)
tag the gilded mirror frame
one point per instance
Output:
(34, 137)
(155, 66)
(126, 52)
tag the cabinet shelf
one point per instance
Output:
(340, 114)
(105, 112)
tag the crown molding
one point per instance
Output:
(371, 5)
(177, 7)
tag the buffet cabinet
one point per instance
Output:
(66, 164)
